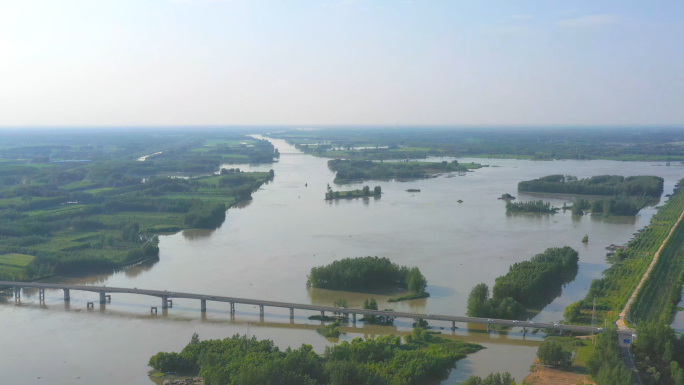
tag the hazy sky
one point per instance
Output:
(183, 62)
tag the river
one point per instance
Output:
(266, 247)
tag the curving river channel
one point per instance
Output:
(266, 247)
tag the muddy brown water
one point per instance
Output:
(266, 247)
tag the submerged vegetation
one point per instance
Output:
(90, 200)
(383, 360)
(527, 284)
(617, 205)
(365, 192)
(366, 273)
(530, 207)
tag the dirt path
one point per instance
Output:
(621, 320)
(547, 376)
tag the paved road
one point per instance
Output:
(265, 303)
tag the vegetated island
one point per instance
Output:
(368, 273)
(597, 185)
(527, 284)
(354, 170)
(539, 207)
(413, 190)
(365, 192)
(628, 195)
(506, 197)
(421, 358)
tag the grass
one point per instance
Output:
(16, 260)
(409, 297)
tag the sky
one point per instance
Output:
(341, 62)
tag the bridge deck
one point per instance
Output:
(289, 305)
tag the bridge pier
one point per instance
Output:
(322, 315)
(109, 298)
(170, 303)
(453, 325)
(204, 306)
(153, 309)
(41, 295)
(232, 308)
(17, 294)
(165, 302)
(291, 313)
(488, 328)
(261, 311)
(354, 317)
(90, 305)
(103, 298)
(66, 295)
(524, 330)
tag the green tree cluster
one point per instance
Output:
(529, 207)
(481, 305)
(379, 361)
(617, 205)
(597, 185)
(366, 273)
(605, 364)
(551, 353)
(659, 354)
(528, 282)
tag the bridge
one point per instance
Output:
(167, 299)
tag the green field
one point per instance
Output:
(16, 260)
(621, 278)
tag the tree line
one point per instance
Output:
(597, 185)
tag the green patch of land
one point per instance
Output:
(421, 358)
(354, 170)
(83, 201)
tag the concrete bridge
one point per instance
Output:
(167, 298)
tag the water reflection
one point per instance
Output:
(197, 234)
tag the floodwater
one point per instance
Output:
(266, 247)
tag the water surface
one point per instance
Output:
(267, 246)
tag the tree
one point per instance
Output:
(377, 191)
(366, 191)
(478, 301)
(370, 304)
(416, 281)
(551, 353)
(573, 312)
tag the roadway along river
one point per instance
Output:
(266, 247)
